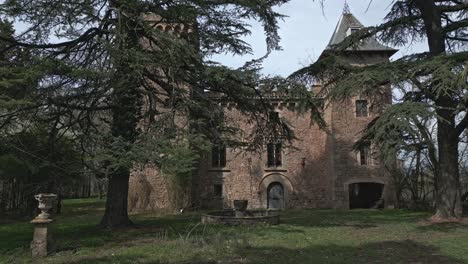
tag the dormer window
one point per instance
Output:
(352, 30)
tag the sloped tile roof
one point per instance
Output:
(346, 22)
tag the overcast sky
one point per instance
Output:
(306, 32)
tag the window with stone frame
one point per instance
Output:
(273, 117)
(218, 156)
(365, 154)
(361, 108)
(274, 156)
(218, 190)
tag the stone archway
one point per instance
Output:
(365, 195)
(266, 183)
(363, 192)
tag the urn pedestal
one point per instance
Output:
(41, 244)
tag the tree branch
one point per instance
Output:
(90, 33)
(452, 8)
(462, 125)
(455, 25)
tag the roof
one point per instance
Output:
(347, 21)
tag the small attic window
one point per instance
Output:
(352, 30)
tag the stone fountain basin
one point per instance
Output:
(249, 217)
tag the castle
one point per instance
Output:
(320, 170)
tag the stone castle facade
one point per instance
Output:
(320, 170)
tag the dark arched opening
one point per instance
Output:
(366, 195)
(275, 196)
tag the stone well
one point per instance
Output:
(240, 216)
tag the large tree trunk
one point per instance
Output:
(125, 118)
(126, 113)
(3, 196)
(116, 214)
(447, 179)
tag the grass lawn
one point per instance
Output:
(304, 236)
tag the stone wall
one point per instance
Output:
(304, 174)
(148, 190)
(346, 131)
(316, 171)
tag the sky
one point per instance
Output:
(306, 32)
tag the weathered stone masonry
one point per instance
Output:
(317, 173)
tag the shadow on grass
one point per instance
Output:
(359, 219)
(78, 219)
(73, 235)
(135, 258)
(76, 230)
(77, 227)
(406, 251)
(443, 227)
(79, 207)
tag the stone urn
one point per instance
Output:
(240, 205)
(46, 201)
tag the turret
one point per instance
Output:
(368, 51)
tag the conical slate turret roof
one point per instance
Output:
(348, 22)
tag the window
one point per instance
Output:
(274, 154)
(361, 108)
(364, 155)
(218, 190)
(352, 31)
(219, 117)
(273, 117)
(218, 156)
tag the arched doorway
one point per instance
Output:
(275, 196)
(366, 195)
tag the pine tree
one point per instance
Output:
(432, 85)
(16, 79)
(110, 72)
